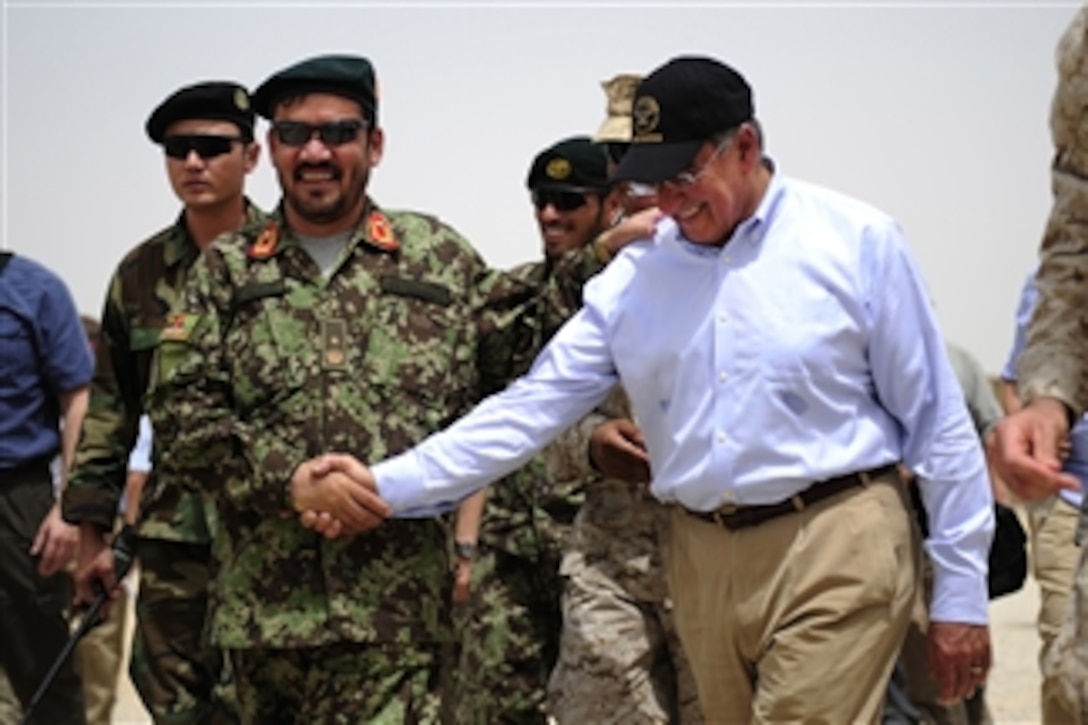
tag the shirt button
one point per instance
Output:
(727, 497)
(723, 376)
(721, 437)
(723, 318)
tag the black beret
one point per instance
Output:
(573, 163)
(349, 76)
(219, 100)
(677, 109)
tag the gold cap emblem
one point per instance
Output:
(558, 169)
(645, 117)
(241, 100)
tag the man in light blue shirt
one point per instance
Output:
(781, 354)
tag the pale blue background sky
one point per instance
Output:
(935, 112)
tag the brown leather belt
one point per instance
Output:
(742, 517)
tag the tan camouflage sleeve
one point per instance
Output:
(109, 429)
(1054, 360)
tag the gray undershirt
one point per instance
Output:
(325, 251)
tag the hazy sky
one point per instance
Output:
(935, 112)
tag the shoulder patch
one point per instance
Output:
(178, 327)
(264, 246)
(380, 232)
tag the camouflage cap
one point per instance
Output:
(620, 90)
(678, 107)
(575, 163)
(350, 76)
(217, 100)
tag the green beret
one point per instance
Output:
(217, 100)
(349, 76)
(576, 163)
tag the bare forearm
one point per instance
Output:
(73, 407)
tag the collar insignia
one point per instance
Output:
(265, 244)
(380, 233)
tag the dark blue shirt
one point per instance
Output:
(43, 353)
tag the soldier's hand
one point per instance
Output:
(462, 580)
(95, 565)
(55, 543)
(959, 655)
(618, 450)
(1026, 449)
(341, 487)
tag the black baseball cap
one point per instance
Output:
(349, 76)
(216, 100)
(677, 108)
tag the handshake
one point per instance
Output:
(336, 495)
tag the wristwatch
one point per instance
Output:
(465, 550)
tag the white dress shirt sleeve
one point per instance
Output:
(571, 376)
(914, 381)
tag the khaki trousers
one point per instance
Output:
(799, 618)
(1052, 527)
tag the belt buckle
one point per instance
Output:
(723, 511)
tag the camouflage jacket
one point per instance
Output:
(1055, 360)
(272, 364)
(142, 291)
(620, 531)
(529, 514)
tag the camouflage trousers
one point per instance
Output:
(1066, 664)
(178, 675)
(508, 635)
(349, 683)
(620, 659)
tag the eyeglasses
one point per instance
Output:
(686, 179)
(560, 199)
(206, 147)
(335, 133)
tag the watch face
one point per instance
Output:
(464, 549)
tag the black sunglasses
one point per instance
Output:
(561, 200)
(206, 147)
(336, 133)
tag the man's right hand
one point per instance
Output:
(1026, 449)
(95, 568)
(618, 450)
(337, 495)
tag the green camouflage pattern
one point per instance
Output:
(275, 364)
(508, 634)
(1053, 361)
(142, 291)
(389, 684)
(509, 630)
(180, 678)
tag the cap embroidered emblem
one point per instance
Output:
(265, 245)
(645, 116)
(241, 100)
(558, 169)
(379, 232)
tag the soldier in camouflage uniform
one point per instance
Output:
(206, 131)
(509, 629)
(620, 659)
(1053, 368)
(336, 325)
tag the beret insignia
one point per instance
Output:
(558, 169)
